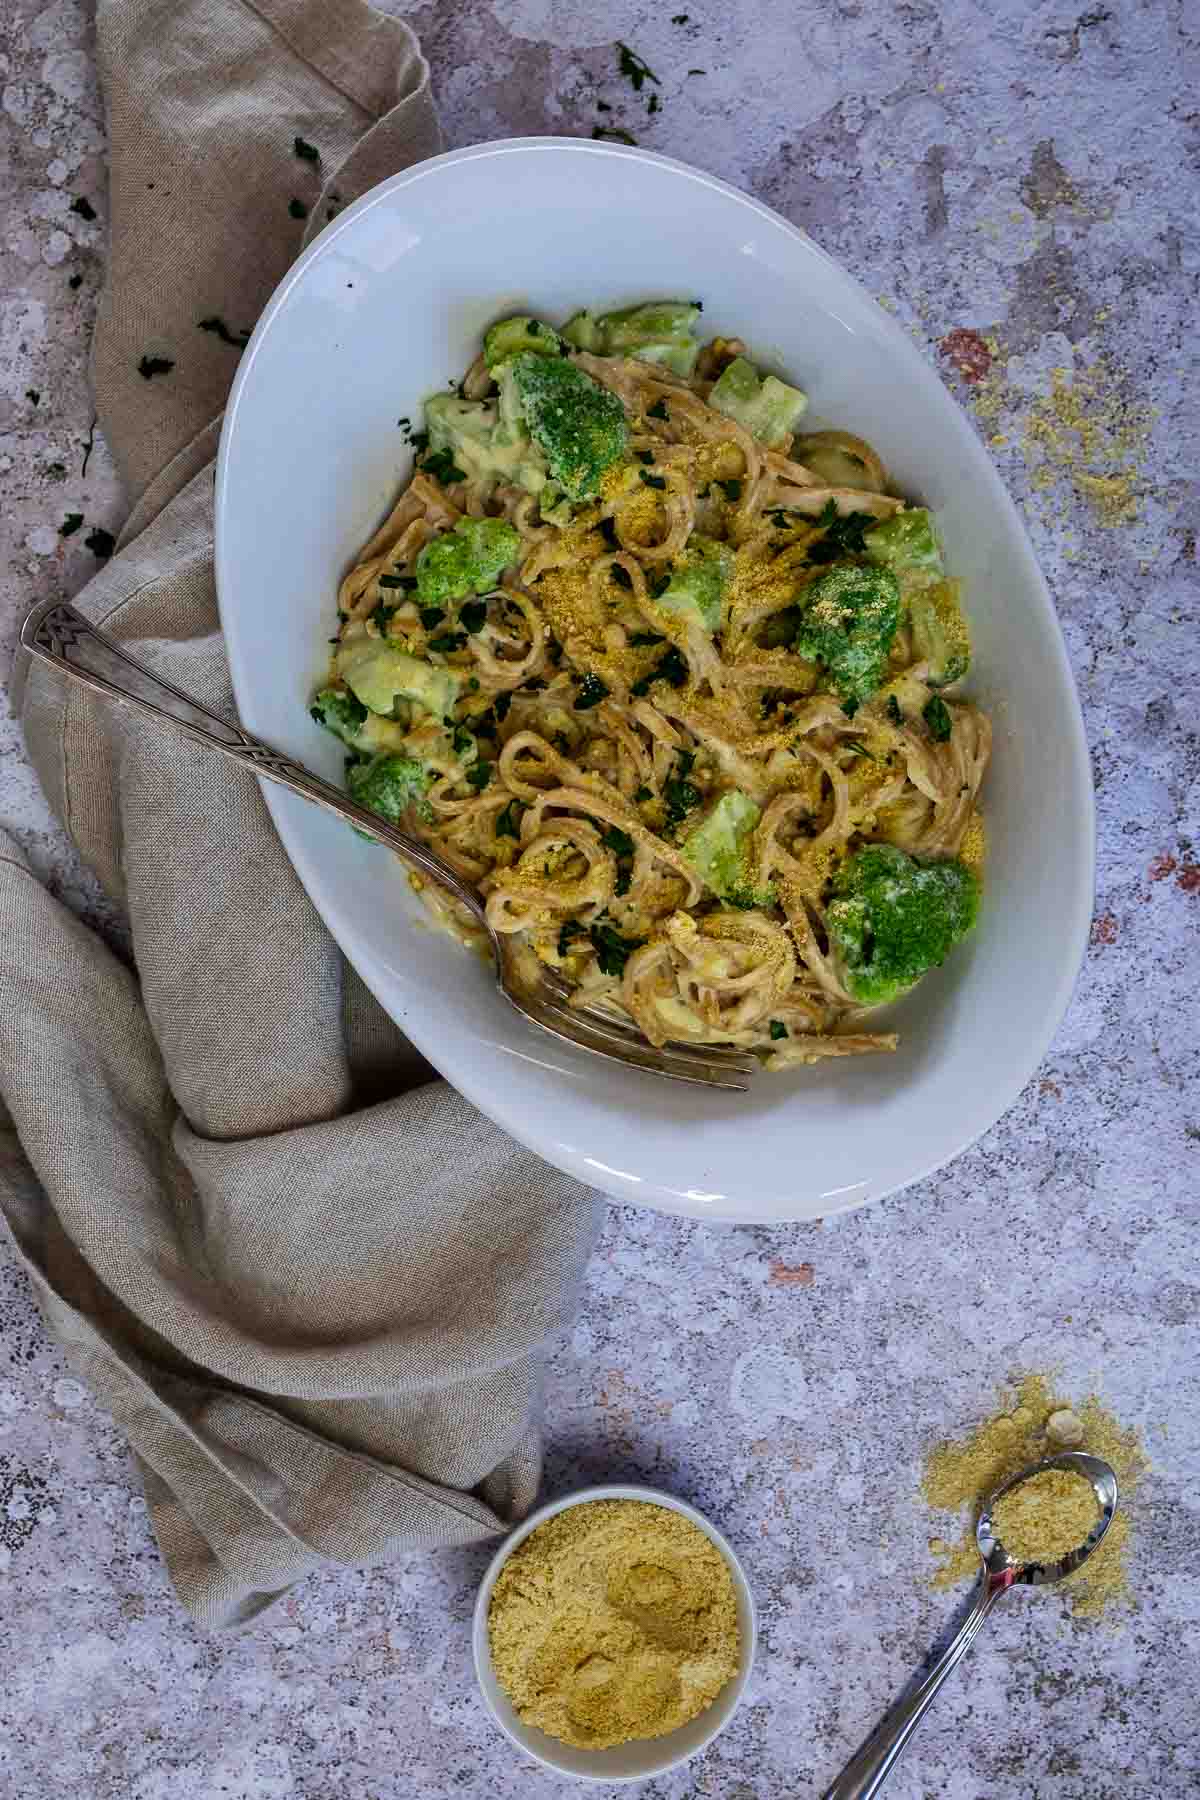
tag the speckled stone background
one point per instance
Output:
(1017, 182)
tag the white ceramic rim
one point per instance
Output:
(501, 1105)
(747, 1618)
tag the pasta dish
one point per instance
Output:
(674, 683)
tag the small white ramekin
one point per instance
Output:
(646, 1756)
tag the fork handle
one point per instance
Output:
(871, 1765)
(57, 634)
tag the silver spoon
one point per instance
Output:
(870, 1767)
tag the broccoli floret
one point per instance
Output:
(338, 711)
(768, 408)
(660, 332)
(849, 619)
(578, 425)
(482, 442)
(891, 919)
(940, 632)
(389, 785)
(905, 542)
(466, 560)
(508, 337)
(697, 585)
(718, 850)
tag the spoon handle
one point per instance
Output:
(870, 1766)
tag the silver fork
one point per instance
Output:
(58, 635)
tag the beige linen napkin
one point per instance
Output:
(310, 1282)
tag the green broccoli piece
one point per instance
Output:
(578, 425)
(508, 337)
(486, 445)
(850, 616)
(697, 585)
(469, 559)
(768, 408)
(891, 919)
(718, 850)
(660, 332)
(906, 542)
(389, 785)
(338, 711)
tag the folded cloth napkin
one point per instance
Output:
(310, 1282)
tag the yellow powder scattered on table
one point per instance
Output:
(614, 1620)
(1034, 1423)
(1043, 1519)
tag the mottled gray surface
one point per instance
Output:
(1021, 174)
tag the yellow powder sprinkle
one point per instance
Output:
(614, 1620)
(961, 1475)
(973, 849)
(1045, 1518)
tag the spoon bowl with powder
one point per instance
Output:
(1039, 1526)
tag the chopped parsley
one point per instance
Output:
(591, 692)
(461, 740)
(81, 205)
(570, 931)
(150, 366)
(856, 747)
(843, 534)
(381, 617)
(655, 481)
(630, 64)
(407, 582)
(850, 707)
(658, 410)
(448, 641)
(473, 616)
(612, 950)
(654, 105)
(101, 543)
(659, 585)
(641, 640)
(500, 706)
(608, 532)
(33, 395)
(431, 616)
(76, 281)
(893, 710)
(670, 667)
(621, 576)
(616, 840)
(778, 1029)
(70, 524)
(237, 340)
(680, 18)
(732, 490)
(697, 71)
(306, 152)
(297, 208)
(936, 715)
(615, 132)
(441, 465)
(643, 793)
(680, 794)
(508, 824)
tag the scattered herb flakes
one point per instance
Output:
(448, 641)
(70, 525)
(603, 106)
(381, 617)
(479, 774)
(697, 71)
(237, 340)
(936, 715)
(643, 793)
(843, 534)
(856, 747)
(614, 132)
(591, 692)
(641, 640)
(101, 543)
(631, 65)
(658, 410)
(76, 281)
(612, 950)
(33, 395)
(659, 585)
(655, 481)
(83, 206)
(473, 616)
(681, 795)
(608, 532)
(90, 445)
(732, 490)
(654, 105)
(778, 1029)
(442, 466)
(406, 582)
(150, 366)
(570, 931)
(431, 616)
(680, 18)
(621, 576)
(297, 208)
(893, 710)
(672, 667)
(850, 707)
(508, 823)
(461, 741)
(500, 706)
(57, 470)
(616, 840)
(306, 152)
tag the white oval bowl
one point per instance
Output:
(384, 307)
(646, 1756)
